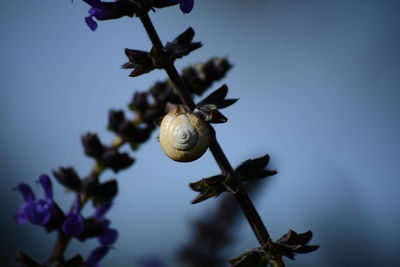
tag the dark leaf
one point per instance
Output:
(252, 258)
(107, 191)
(117, 161)
(151, 114)
(185, 37)
(179, 51)
(254, 169)
(208, 187)
(93, 228)
(90, 186)
(133, 133)
(139, 101)
(141, 61)
(139, 70)
(200, 77)
(292, 243)
(210, 113)
(138, 57)
(68, 178)
(161, 92)
(92, 145)
(217, 98)
(292, 238)
(115, 119)
(182, 45)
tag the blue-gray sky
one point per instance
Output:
(318, 83)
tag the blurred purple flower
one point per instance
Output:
(108, 10)
(98, 11)
(186, 5)
(113, 10)
(36, 211)
(75, 223)
(96, 256)
(108, 236)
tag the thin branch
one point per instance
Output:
(236, 187)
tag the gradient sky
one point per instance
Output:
(318, 83)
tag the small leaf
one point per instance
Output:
(210, 113)
(182, 45)
(254, 169)
(69, 178)
(92, 145)
(217, 98)
(208, 187)
(185, 37)
(292, 243)
(252, 258)
(138, 57)
(292, 238)
(107, 190)
(141, 61)
(117, 161)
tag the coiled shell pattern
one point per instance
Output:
(184, 136)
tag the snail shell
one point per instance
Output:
(184, 136)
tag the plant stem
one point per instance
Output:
(61, 244)
(63, 239)
(245, 203)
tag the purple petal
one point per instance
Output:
(26, 192)
(74, 224)
(186, 5)
(102, 210)
(21, 216)
(39, 212)
(96, 256)
(108, 237)
(91, 23)
(45, 182)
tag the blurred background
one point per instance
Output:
(318, 83)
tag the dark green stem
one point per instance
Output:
(236, 187)
(61, 244)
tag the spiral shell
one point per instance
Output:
(184, 136)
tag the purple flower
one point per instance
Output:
(98, 11)
(96, 256)
(108, 236)
(186, 5)
(108, 10)
(113, 10)
(36, 211)
(74, 225)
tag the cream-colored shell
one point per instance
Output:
(184, 136)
